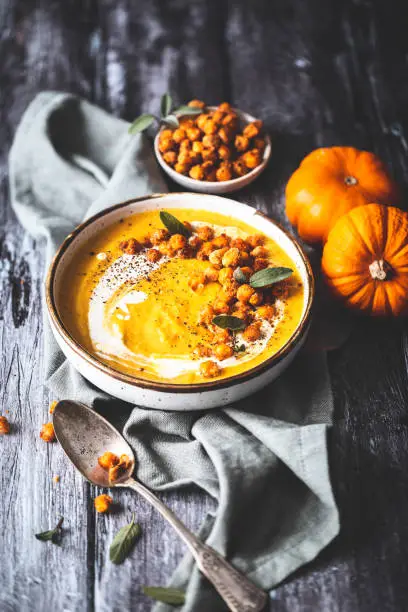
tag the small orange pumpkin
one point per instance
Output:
(365, 259)
(331, 181)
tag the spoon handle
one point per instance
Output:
(239, 593)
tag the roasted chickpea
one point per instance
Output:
(116, 471)
(166, 144)
(216, 256)
(170, 157)
(181, 168)
(260, 251)
(206, 315)
(211, 274)
(222, 336)
(177, 241)
(252, 332)
(195, 242)
(197, 282)
(205, 251)
(185, 157)
(256, 298)
(204, 232)
(186, 122)
(225, 274)
(239, 243)
(221, 306)
(198, 147)
(197, 173)
(230, 121)
(231, 258)
(251, 159)
(4, 426)
(201, 120)
(107, 460)
(239, 168)
(242, 311)
(223, 351)
(218, 116)
(225, 134)
(202, 351)
(196, 104)
(255, 240)
(131, 246)
(47, 432)
(224, 173)
(212, 176)
(229, 290)
(179, 135)
(210, 127)
(209, 155)
(102, 503)
(241, 143)
(225, 107)
(185, 145)
(209, 369)
(158, 236)
(260, 264)
(211, 140)
(244, 293)
(221, 241)
(208, 167)
(165, 249)
(266, 312)
(193, 133)
(252, 129)
(224, 152)
(165, 134)
(153, 255)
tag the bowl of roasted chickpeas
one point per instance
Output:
(219, 150)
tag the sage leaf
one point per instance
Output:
(183, 110)
(239, 276)
(165, 104)
(124, 541)
(52, 535)
(174, 225)
(229, 322)
(171, 596)
(269, 276)
(171, 121)
(141, 123)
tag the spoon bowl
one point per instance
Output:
(85, 435)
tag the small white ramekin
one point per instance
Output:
(217, 188)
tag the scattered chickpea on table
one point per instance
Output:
(212, 146)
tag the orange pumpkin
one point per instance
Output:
(365, 259)
(331, 181)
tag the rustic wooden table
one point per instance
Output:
(321, 72)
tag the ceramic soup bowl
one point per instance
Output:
(167, 395)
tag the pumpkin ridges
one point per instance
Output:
(317, 194)
(376, 280)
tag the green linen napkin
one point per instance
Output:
(264, 459)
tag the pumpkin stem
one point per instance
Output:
(350, 180)
(379, 270)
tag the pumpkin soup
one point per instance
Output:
(182, 297)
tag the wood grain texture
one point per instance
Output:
(320, 72)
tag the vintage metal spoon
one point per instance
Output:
(85, 435)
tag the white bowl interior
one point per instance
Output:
(213, 203)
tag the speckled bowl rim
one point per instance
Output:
(294, 339)
(243, 181)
